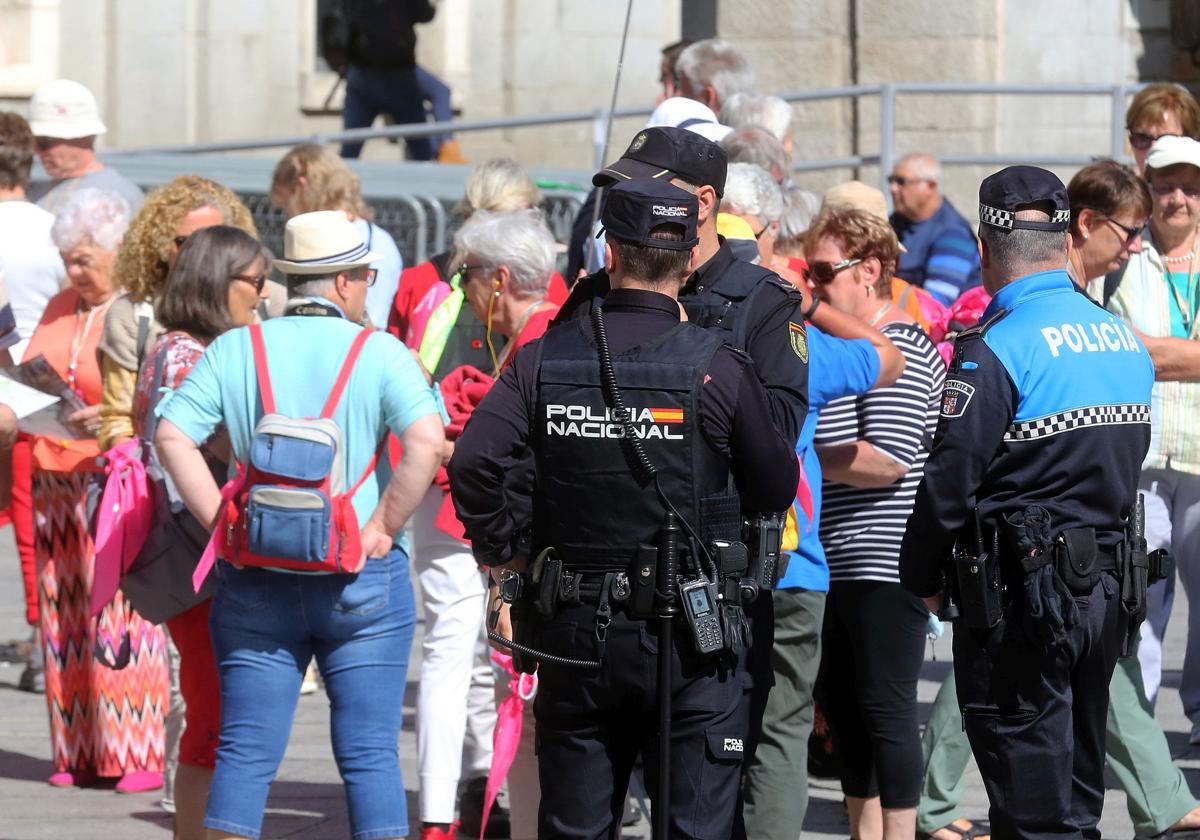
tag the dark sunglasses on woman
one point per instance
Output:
(824, 273)
(1143, 141)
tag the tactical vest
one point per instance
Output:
(588, 504)
(716, 306)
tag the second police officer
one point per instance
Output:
(1030, 489)
(639, 424)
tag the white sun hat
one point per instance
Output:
(323, 242)
(64, 110)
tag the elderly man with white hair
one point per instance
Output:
(750, 211)
(65, 122)
(711, 71)
(744, 110)
(755, 144)
(942, 256)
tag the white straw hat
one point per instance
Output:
(323, 242)
(64, 110)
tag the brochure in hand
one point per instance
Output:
(41, 399)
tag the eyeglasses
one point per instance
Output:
(465, 270)
(370, 276)
(258, 281)
(901, 181)
(1165, 189)
(1131, 233)
(825, 272)
(1142, 141)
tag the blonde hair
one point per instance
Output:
(499, 185)
(862, 235)
(329, 182)
(141, 265)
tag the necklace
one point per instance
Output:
(79, 338)
(1182, 258)
(512, 342)
(879, 314)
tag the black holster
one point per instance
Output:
(977, 588)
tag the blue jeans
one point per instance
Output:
(266, 627)
(371, 91)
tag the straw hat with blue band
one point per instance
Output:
(323, 242)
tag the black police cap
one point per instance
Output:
(1002, 193)
(633, 209)
(669, 152)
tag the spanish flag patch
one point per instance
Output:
(667, 415)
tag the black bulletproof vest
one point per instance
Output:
(716, 306)
(588, 503)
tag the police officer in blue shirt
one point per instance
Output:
(1032, 482)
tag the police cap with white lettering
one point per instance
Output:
(1005, 192)
(634, 209)
(667, 152)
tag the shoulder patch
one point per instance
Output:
(956, 396)
(799, 340)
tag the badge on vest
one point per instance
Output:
(586, 422)
(956, 397)
(799, 340)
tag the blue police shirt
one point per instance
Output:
(837, 368)
(1047, 402)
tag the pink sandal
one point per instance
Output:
(140, 782)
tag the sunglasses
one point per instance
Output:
(825, 272)
(901, 181)
(1131, 233)
(259, 281)
(1142, 141)
(1165, 189)
(464, 271)
(370, 276)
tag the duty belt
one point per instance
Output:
(588, 587)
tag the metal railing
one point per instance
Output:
(884, 159)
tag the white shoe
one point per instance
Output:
(1194, 738)
(310, 684)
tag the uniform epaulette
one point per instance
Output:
(772, 277)
(983, 326)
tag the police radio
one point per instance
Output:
(699, 599)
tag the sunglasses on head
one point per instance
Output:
(1142, 141)
(823, 273)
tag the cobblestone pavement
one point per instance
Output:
(306, 800)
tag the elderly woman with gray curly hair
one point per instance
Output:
(103, 722)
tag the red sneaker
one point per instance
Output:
(433, 832)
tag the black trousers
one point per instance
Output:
(591, 726)
(873, 643)
(1036, 719)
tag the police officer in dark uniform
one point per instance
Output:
(645, 431)
(1024, 515)
(748, 305)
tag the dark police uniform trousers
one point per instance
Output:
(1046, 403)
(704, 420)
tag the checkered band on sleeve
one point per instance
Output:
(1092, 415)
(995, 217)
(1061, 216)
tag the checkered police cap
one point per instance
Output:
(1003, 193)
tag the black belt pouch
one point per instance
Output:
(1077, 561)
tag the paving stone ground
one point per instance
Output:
(306, 800)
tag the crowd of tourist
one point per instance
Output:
(164, 306)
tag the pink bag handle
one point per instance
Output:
(123, 522)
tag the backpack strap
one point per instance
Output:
(260, 368)
(343, 376)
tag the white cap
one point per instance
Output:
(323, 242)
(64, 110)
(1169, 151)
(681, 112)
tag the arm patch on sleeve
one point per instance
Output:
(956, 397)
